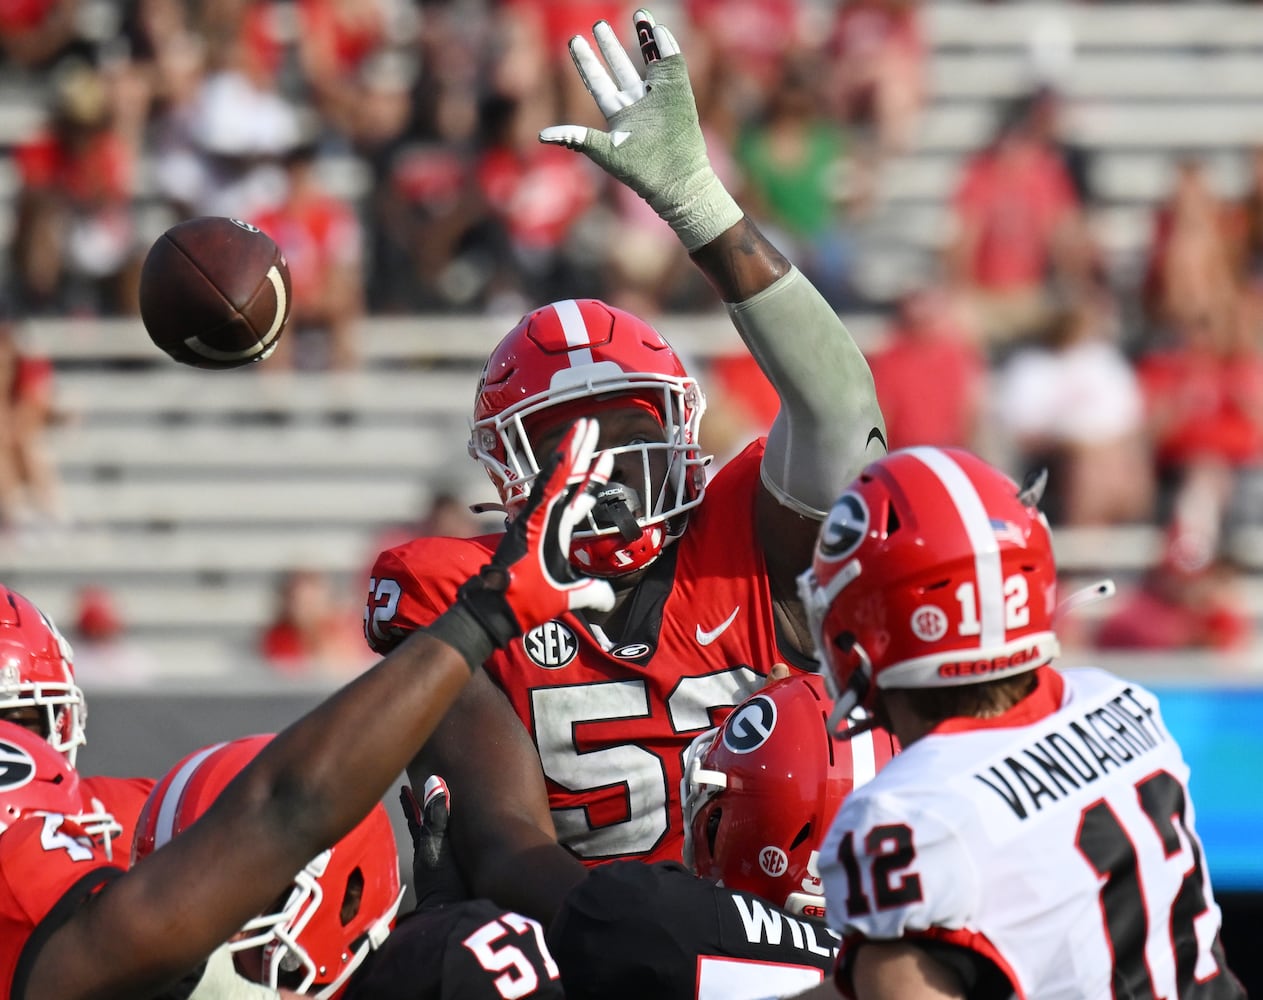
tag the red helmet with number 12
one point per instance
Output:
(570, 359)
(932, 569)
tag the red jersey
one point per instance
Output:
(611, 720)
(46, 870)
(122, 798)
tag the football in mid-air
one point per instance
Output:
(215, 293)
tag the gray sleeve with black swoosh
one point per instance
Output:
(829, 426)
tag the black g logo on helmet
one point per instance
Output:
(750, 725)
(845, 527)
(17, 767)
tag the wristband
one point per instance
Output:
(703, 210)
(477, 624)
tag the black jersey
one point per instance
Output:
(635, 930)
(473, 950)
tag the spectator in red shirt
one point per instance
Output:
(312, 632)
(29, 489)
(356, 78)
(930, 373)
(34, 32)
(74, 245)
(534, 196)
(532, 36)
(1189, 270)
(877, 51)
(322, 242)
(1018, 230)
(1204, 395)
(1190, 600)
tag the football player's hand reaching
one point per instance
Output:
(530, 579)
(435, 878)
(654, 144)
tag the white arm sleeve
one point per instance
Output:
(829, 426)
(220, 981)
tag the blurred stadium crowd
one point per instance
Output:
(389, 146)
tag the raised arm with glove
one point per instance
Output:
(308, 787)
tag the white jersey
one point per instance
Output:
(1056, 840)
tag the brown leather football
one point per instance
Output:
(215, 293)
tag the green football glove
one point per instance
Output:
(654, 144)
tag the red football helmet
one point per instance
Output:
(310, 944)
(932, 569)
(36, 779)
(36, 672)
(582, 351)
(760, 792)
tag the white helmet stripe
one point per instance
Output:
(863, 756)
(575, 330)
(982, 540)
(165, 826)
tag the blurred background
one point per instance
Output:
(1043, 222)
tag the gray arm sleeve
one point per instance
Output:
(829, 426)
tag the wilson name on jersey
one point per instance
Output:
(633, 930)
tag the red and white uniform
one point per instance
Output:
(1083, 775)
(122, 798)
(46, 870)
(611, 722)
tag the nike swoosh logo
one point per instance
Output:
(705, 638)
(876, 433)
(618, 138)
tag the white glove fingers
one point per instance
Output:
(631, 87)
(583, 447)
(592, 593)
(573, 136)
(595, 76)
(667, 45)
(584, 497)
(656, 42)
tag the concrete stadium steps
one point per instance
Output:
(1144, 77)
(417, 346)
(155, 607)
(328, 499)
(412, 447)
(1118, 125)
(215, 553)
(1118, 26)
(170, 392)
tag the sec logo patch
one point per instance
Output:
(773, 861)
(929, 623)
(551, 645)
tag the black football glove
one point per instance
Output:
(529, 579)
(435, 877)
